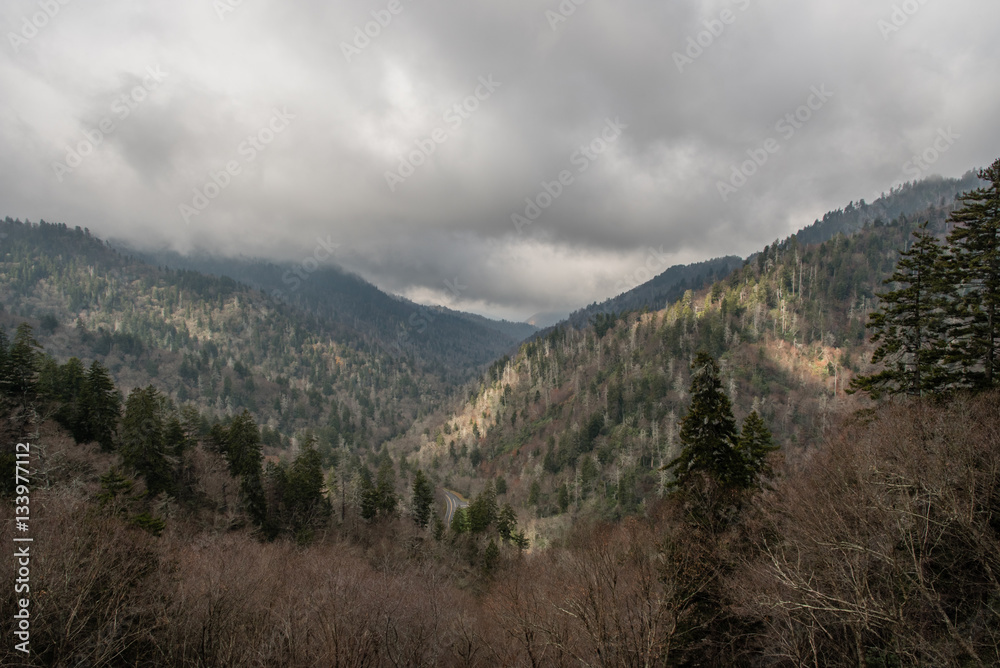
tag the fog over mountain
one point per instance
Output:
(504, 158)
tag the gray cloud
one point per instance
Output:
(325, 174)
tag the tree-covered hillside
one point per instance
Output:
(667, 287)
(584, 420)
(207, 340)
(452, 343)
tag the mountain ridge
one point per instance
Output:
(401, 325)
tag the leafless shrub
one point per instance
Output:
(91, 599)
(886, 549)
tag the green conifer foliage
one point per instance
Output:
(708, 431)
(756, 443)
(304, 486)
(99, 409)
(482, 512)
(975, 271)
(506, 522)
(22, 365)
(240, 442)
(460, 521)
(423, 497)
(143, 445)
(910, 325)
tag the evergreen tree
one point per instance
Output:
(275, 483)
(114, 486)
(482, 512)
(99, 409)
(460, 521)
(910, 325)
(975, 271)
(708, 431)
(506, 522)
(534, 493)
(241, 444)
(71, 377)
(304, 488)
(174, 436)
(563, 497)
(368, 496)
(143, 446)
(755, 444)
(23, 363)
(521, 540)
(490, 557)
(423, 497)
(49, 388)
(193, 423)
(378, 498)
(438, 525)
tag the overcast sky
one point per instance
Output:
(412, 149)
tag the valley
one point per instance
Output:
(280, 447)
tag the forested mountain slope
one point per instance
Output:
(582, 420)
(660, 290)
(208, 340)
(452, 342)
(667, 287)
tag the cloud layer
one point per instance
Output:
(411, 131)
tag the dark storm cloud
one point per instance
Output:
(478, 109)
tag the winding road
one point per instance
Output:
(452, 502)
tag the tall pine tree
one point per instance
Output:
(708, 431)
(23, 363)
(910, 325)
(98, 409)
(482, 512)
(143, 447)
(712, 447)
(975, 269)
(423, 497)
(755, 444)
(304, 495)
(242, 446)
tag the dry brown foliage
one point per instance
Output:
(885, 549)
(881, 549)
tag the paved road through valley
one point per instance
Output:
(452, 502)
